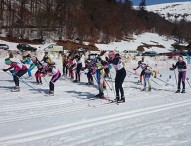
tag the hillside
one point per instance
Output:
(172, 11)
(93, 21)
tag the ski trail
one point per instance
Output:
(63, 129)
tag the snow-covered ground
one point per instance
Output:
(181, 10)
(132, 44)
(74, 118)
(138, 40)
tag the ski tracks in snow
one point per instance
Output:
(68, 128)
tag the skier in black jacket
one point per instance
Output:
(117, 64)
(181, 65)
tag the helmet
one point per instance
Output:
(8, 61)
(180, 58)
(111, 54)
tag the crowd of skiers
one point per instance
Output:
(44, 67)
(96, 68)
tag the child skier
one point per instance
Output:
(55, 73)
(27, 60)
(181, 65)
(72, 67)
(148, 72)
(98, 71)
(78, 68)
(142, 65)
(18, 71)
(46, 58)
(39, 66)
(64, 63)
(115, 60)
(89, 69)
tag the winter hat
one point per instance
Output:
(33, 58)
(45, 64)
(111, 54)
(7, 61)
(180, 58)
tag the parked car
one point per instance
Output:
(26, 47)
(83, 50)
(170, 54)
(54, 48)
(150, 53)
(4, 46)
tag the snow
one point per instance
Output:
(181, 9)
(74, 118)
(138, 40)
(132, 44)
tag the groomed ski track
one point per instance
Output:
(65, 104)
(55, 131)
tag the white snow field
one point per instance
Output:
(73, 117)
(170, 11)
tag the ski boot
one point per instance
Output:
(100, 95)
(51, 93)
(139, 82)
(178, 91)
(144, 89)
(117, 99)
(16, 89)
(122, 99)
(183, 91)
(91, 83)
(75, 81)
(28, 78)
(149, 89)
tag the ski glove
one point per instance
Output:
(173, 66)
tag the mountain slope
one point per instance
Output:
(171, 11)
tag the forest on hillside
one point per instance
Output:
(84, 20)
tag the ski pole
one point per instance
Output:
(106, 82)
(133, 73)
(45, 80)
(165, 82)
(188, 82)
(112, 84)
(25, 82)
(129, 71)
(95, 78)
(155, 82)
(175, 77)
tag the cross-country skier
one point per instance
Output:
(27, 60)
(142, 65)
(38, 73)
(115, 60)
(72, 67)
(55, 73)
(89, 69)
(148, 72)
(46, 58)
(64, 63)
(18, 71)
(181, 65)
(98, 72)
(78, 68)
